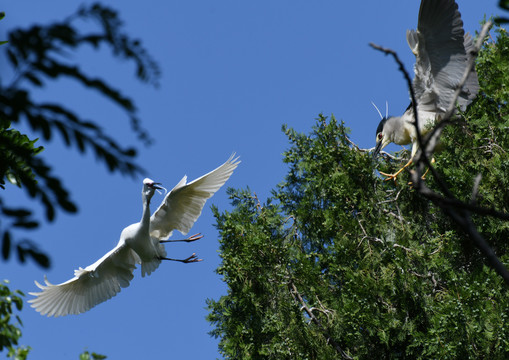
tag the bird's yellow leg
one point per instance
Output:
(395, 175)
(423, 177)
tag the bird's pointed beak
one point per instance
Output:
(156, 186)
(379, 146)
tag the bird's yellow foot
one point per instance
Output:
(392, 176)
(423, 177)
(395, 175)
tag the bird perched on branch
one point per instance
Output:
(442, 50)
(139, 243)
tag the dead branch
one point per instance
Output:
(383, 153)
(296, 295)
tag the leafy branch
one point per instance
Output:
(38, 56)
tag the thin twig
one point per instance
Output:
(384, 153)
(296, 295)
(462, 217)
(402, 247)
(475, 189)
(470, 64)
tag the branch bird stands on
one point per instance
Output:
(442, 51)
(139, 243)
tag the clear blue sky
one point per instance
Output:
(233, 73)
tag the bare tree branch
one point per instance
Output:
(296, 295)
(384, 153)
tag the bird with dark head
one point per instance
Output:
(442, 50)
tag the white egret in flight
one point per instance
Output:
(139, 243)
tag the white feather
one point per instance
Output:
(139, 244)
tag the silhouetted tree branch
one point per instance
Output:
(39, 55)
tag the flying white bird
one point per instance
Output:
(139, 243)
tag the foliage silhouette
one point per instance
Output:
(504, 4)
(39, 55)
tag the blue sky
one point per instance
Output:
(233, 73)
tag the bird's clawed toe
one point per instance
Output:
(194, 237)
(189, 239)
(391, 176)
(190, 259)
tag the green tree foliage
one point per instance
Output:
(10, 326)
(9, 331)
(91, 356)
(341, 264)
(2, 15)
(39, 55)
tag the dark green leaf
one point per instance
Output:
(21, 254)
(16, 212)
(26, 224)
(33, 79)
(67, 206)
(6, 245)
(40, 258)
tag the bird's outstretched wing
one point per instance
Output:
(90, 286)
(184, 203)
(441, 50)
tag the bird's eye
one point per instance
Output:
(380, 136)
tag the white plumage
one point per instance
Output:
(139, 243)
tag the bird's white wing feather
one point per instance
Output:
(184, 203)
(90, 286)
(439, 46)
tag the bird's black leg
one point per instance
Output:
(188, 260)
(189, 239)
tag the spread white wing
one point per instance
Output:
(90, 286)
(105, 278)
(184, 203)
(441, 50)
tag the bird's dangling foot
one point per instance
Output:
(423, 177)
(395, 175)
(190, 259)
(189, 239)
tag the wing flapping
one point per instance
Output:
(440, 47)
(184, 203)
(90, 286)
(471, 87)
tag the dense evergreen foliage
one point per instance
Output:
(339, 263)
